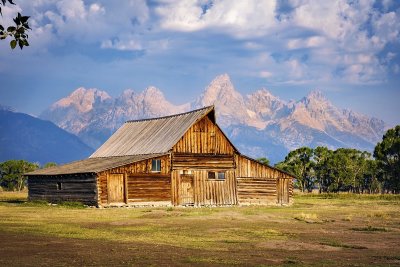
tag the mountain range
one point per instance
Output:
(259, 124)
(25, 137)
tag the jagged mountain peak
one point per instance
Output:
(152, 91)
(82, 99)
(261, 117)
(315, 96)
(265, 94)
(219, 90)
(128, 92)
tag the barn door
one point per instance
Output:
(116, 187)
(283, 191)
(187, 189)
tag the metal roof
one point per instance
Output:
(92, 165)
(150, 136)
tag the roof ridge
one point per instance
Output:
(173, 115)
(120, 156)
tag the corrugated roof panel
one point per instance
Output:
(149, 136)
(92, 165)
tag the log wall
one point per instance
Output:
(205, 192)
(57, 188)
(204, 137)
(261, 184)
(141, 184)
(202, 161)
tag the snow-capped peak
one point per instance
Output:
(82, 99)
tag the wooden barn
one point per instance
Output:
(179, 160)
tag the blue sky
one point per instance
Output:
(347, 49)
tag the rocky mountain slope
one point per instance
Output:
(260, 124)
(25, 137)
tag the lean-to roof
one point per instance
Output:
(149, 136)
(92, 165)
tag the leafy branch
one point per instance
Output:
(18, 31)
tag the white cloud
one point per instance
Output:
(83, 22)
(314, 41)
(129, 45)
(239, 18)
(265, 74)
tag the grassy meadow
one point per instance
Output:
(326, 230)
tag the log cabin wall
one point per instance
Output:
(204, 137)
(141, 185)
(203, 149)
(195, 189)
(69, 187)
(260, 184)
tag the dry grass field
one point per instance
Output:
(344, 230)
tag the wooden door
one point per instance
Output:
(186, 189)
(116, 188)
(283, 191)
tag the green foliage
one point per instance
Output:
(264, 161)
(387, 155)
(18, 31)
(12, 174)
(49, 164)
(344, 169)
(298, 162)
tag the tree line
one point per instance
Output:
(12, 173)
(347, 169)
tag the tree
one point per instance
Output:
(49, 164)
(263, 160)
(12, 174)
(387, 154)
(18, 31)
(298, 162)
(321, 169)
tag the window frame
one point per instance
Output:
(157, 164)
(59, 186)
(216, 175)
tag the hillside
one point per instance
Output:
(25, 137)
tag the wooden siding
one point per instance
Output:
(205, 192)
(261, 184)
(149, 187)
(202, 161)
(57, 188)
(204, 137)
(256, 191)
(137, 174)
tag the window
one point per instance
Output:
(59, 185)
(216, 176)
(156, 165)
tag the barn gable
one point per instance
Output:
(204, 137)
(151, 136)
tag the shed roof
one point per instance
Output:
(157, 135)
(92, 165)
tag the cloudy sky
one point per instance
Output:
(347, 49)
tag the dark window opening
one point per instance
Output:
(156, 165)
(216, 175)
(59, 185)
(211, 175)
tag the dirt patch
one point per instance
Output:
(292, 246)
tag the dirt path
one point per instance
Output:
(30, 250)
